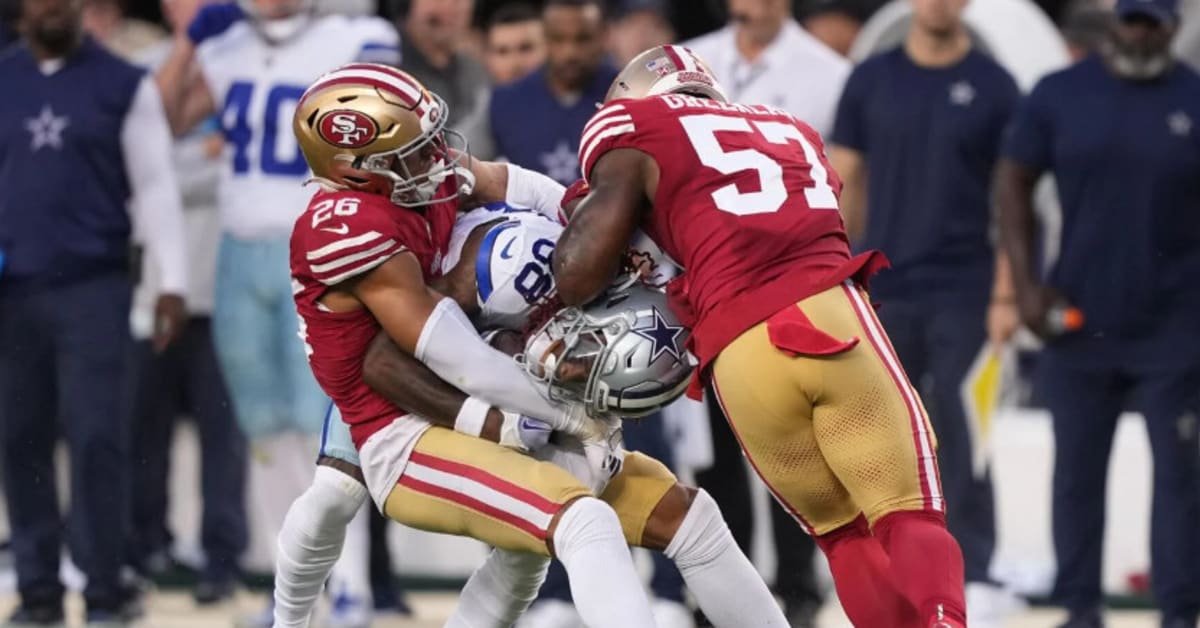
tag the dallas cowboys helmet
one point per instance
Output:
(621, 355)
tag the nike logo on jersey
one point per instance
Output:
(505, 253)
(341, 229)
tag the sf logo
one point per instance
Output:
(347, 129)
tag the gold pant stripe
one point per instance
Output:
(467, 486)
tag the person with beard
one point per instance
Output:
(916, 138)
(85, 145)
(433, 33)
(1119, 132)
(536, 121)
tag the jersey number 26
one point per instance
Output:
(702, 131)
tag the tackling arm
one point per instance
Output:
(590, 249)
(435, 331)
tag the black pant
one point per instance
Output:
(63, 357)
(1085, 401)
(186, 379)
(795, 575)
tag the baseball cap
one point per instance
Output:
(1164, 11)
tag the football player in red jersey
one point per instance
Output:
(362, 255)
(743, 198)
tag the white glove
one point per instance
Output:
(605, 453)
(575, 421)
(523, 433)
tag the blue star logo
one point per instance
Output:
(664, 336)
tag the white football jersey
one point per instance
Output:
(256, 87)
(512, 267)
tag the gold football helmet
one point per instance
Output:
(666, 70)
(373, 128)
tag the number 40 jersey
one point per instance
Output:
(256, 86)
(747, 205)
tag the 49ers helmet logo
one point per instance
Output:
(345, 128)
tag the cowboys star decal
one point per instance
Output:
(664, 336)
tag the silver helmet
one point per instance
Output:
(621, 355)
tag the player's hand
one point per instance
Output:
(212, 20)
(1003, 320)
(523, 433)
(170, 315)
(605, 454)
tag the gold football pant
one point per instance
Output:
(462, 485)
(826, 415)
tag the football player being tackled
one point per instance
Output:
(743, 198)
(364, 255)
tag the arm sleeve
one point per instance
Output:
(849, 127)
(1029, 138)
(534, 190)
(157, 210)
(450, 347)
(381, 43)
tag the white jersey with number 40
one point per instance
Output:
(256, 87)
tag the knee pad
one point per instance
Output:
(584, 521)
(334, 497)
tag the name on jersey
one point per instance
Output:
(681, 101)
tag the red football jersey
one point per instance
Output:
(341, 235)
(747, 205)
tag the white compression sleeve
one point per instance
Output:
(310, 541)
(451, 348)
(724, 582)
(534, 190)
(604, 583)
(499, 591)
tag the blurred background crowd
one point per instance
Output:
(180, 306)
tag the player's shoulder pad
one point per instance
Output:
(610, 126)
(347, 233)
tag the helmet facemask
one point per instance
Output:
(412, 182)
(588, 355)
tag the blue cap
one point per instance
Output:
(1164, 11)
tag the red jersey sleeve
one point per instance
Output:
(614, 126)
(346, 234)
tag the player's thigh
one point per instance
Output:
(765, 398)
(636, 491)
(244, 335)
(462, 485)
(869, 420)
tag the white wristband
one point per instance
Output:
(471, 416)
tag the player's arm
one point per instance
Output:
(408, 384)
(435, 331)
(590, 250)
(852, 168)
(517, 186)
(186, 97)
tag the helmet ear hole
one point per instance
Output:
(312, 119)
